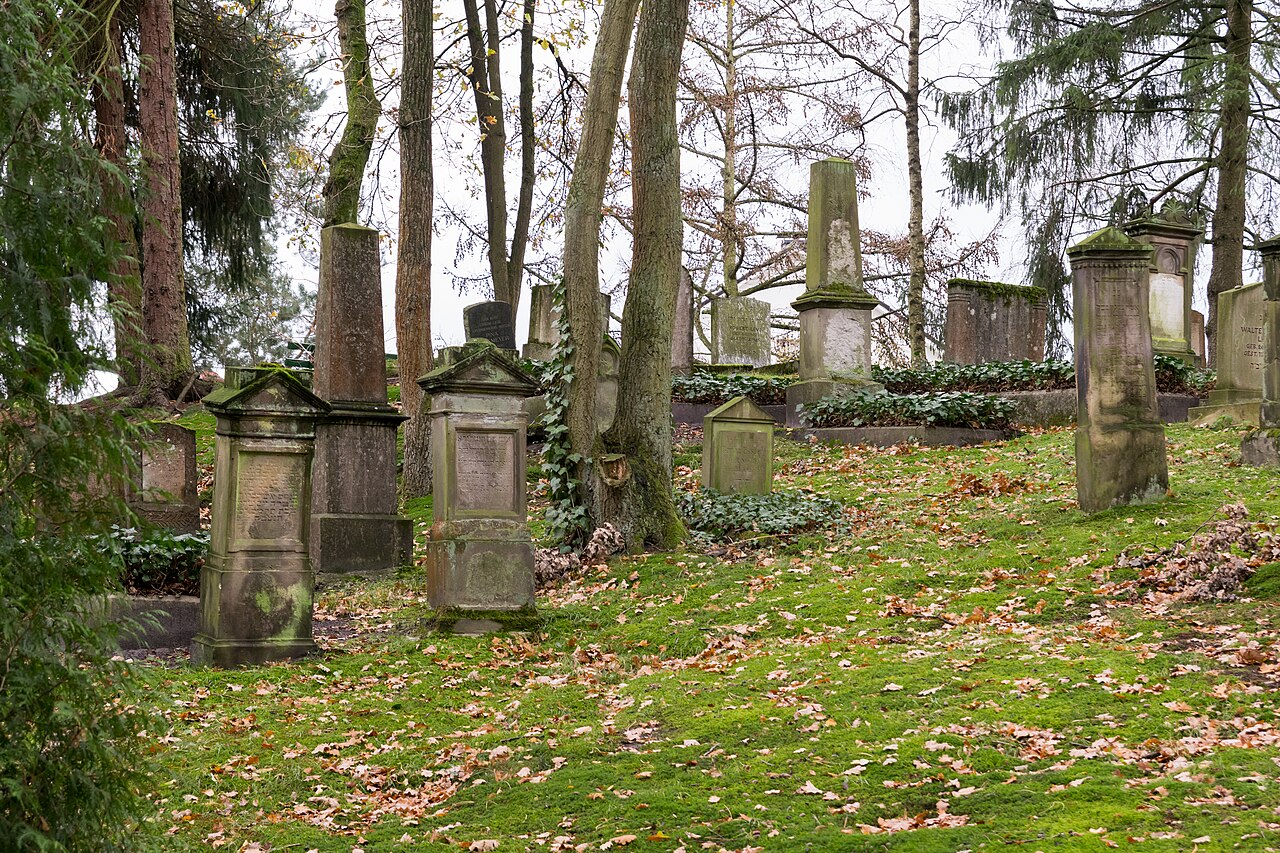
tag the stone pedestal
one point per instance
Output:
(480, 558)
(1262, 446)
(355, 528)
(737, 449)
(1171, 236)
(1120, 445)
(992, 321)
(740, 331)
(166, 495)
(835, 310)
(256, 584)
(1238, 392)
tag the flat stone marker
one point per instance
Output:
(256, 585)
(835, 310)
(1262, 446)
(355, 528)
(480, 558)
(490, 321)
(166, 495)
(740, 331)
(1238, 392)
(737, 449)
(992, 321)
(1171, 235)
(1120, 446)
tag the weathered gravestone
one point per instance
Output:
(1238, 391)
(1197, 337)
(256, 584)
(1120, 447)
(543, 334)
(490, 321)
(682, 328)
(480, 557)
(1171, 235)
(355, 528)
(166, 495)
(607, 383)
(1262, 446)
(740, 331)
(737, 449)
(992, 321)
(835, 310)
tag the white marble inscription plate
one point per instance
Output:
(1167, 302)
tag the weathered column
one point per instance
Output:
(480, 558)
(256, 584)
(166, 493)
(1171, 235)
(1120, 449)
(355, 526)
(1262, 446)
(737, 449)
(993, 321)
(835, 310)
(740, 331)
(682, 333)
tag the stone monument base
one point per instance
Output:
(226, 654)
(470, 573)
(1102, 482)
(1261, 449)
(812, 390)
(253, 615)
(367, 545)
(472, 623)
(1244, 412)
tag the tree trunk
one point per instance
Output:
(582, 216)
(915, 175)
(638, 499)
(729, 173)
(1233, 136)
(486, 85)
(349, 157)
(413, 269)
(167, 368)
(124, 290)
(524, 202)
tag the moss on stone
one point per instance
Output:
(1008, 291)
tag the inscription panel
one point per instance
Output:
(164, 472)
(492, 322)
(269, 496)
(485, 471)
(742, 461)
(1167, 302)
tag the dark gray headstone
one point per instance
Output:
(490, 321)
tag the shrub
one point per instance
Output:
(701, 386)
(159, 561)
(1173, 376)
(712, 516)
(947, 409)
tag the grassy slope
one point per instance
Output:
(948, 658)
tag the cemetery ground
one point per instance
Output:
(963, 666)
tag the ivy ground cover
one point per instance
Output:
(963, 665)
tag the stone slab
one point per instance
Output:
(167, 494)
(470, 573)
(364, 545)
(740, 331)
(1261, 449)
(1239, 345)
(490, 321)
(989, 321)
(163, 622)
(350, 363)
(1247, 412)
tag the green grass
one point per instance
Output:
(953, 648)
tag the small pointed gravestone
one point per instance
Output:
(256, 585)
(737, 449)
(1262, 446)
(480, 558)
(1120, 448)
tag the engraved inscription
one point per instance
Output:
(485, 465)
(269, 499)
(1166, 306)
(743, 459)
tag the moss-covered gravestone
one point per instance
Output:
(1171, 235)
(256, 585)
(1262, 446)
(1237, 393)
(740, 331)
(1120, 448)
(480, 557)
(992, 321)
(835, 310)
(737, 449)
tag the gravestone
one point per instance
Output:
(1171, 236)
(1120, 446)
(835, 310)
(355, 528)
(737, 449)
(607, 369)
(166, 495)
(480, 558)
(740, 331)
(543, 335)
(1262, 446)
(991, 321)
(256, 584)
(682, 331)
(490, 321)
(1197, 337)
(1237, 393)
